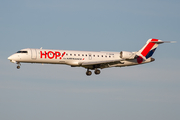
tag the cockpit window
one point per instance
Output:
(22, 52)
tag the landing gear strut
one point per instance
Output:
(88, 73)
(18, 67)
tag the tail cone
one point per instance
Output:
(152, 59)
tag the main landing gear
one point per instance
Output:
(88, 73)
(97, 72)
(18, 65)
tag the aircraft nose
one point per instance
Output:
(10, 57)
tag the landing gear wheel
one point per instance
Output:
(18, 63)
(97, 72)
(88, 73)
(18, 67)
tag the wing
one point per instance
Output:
(101, 64)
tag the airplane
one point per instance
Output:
(88, 59)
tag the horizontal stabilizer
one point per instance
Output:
(159, 42)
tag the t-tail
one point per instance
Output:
(148, 49)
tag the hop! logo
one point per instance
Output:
(51, 54)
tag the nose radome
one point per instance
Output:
(10, 58)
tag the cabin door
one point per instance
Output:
(33, 54)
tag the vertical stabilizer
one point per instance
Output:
(148, 49)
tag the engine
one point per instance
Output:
(127, 55)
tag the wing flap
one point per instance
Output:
(101, 62)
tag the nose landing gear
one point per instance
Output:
(18, 67)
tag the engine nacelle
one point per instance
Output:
(127, 55)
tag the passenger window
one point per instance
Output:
(74, 54)
(70, 54)
(102, 55)
(86, 54)
(97, 55)
(66, 54)
(78, 54)
(82, 54)
(94, 55)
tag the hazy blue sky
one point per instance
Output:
(58, 92)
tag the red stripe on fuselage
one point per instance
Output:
(148, 47)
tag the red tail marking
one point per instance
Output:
(148, 47)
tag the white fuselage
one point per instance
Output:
(69, 57)
(88, 59)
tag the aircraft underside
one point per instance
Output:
(97, 67)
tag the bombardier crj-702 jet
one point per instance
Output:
(87, 59)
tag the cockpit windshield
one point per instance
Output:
(22, 52)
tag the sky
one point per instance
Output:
(43, 92)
